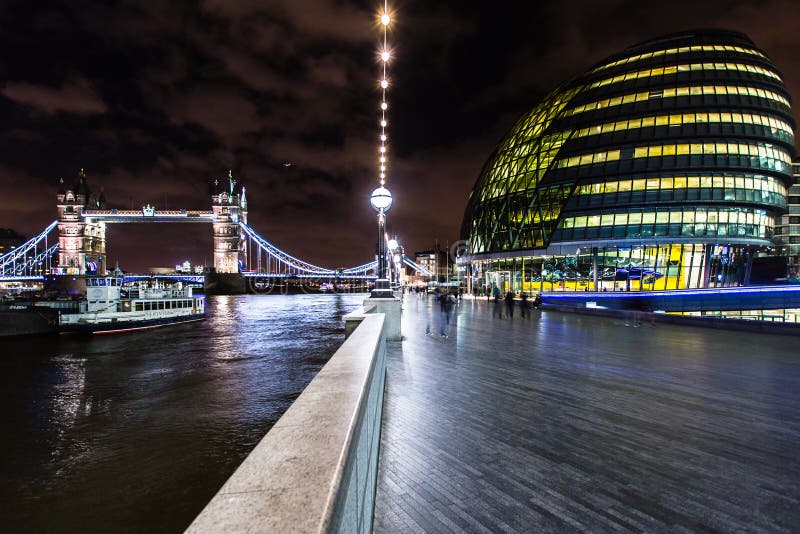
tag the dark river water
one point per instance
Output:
(136, 432)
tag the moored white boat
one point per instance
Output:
(111, 307)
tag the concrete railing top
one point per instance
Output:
(290, 481)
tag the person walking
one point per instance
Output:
(510, 304)
(447, 303)
(495, 292)
(523, 306)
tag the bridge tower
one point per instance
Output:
(81, 242)
(229, 206)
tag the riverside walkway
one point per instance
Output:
(567, 422)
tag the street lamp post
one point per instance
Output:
(381, 201)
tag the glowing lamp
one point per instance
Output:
(381, 199)
(384, 123)
(392, 244)
(385, 56)
(385, 20)
(384, 83)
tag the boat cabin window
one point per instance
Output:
(97, 282)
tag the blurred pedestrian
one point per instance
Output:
(447, 304)
(495, 292)
(523, 306)
(510, 304)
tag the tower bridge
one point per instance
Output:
(79, 244)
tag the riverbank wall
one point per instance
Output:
(316, 469)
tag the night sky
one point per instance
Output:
(155, 99)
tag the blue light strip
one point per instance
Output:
(676, 293)
(21, 278)
(310, 276)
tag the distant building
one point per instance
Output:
(787, 231)
(9, 240)
(435, 261)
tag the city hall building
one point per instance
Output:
(662, 167)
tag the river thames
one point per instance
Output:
(136, 432)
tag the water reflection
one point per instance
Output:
(138, 431)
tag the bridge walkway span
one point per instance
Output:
(562, 422)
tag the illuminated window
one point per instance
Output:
(681, 50)
(671, 69)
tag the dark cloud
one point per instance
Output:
(156, 98)
(74, 96)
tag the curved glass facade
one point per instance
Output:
(672, 157)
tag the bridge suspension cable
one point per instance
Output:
(284, 259)
(28, 258)
(361, 269)
(416, 266)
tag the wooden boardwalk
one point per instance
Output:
(562, 422)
